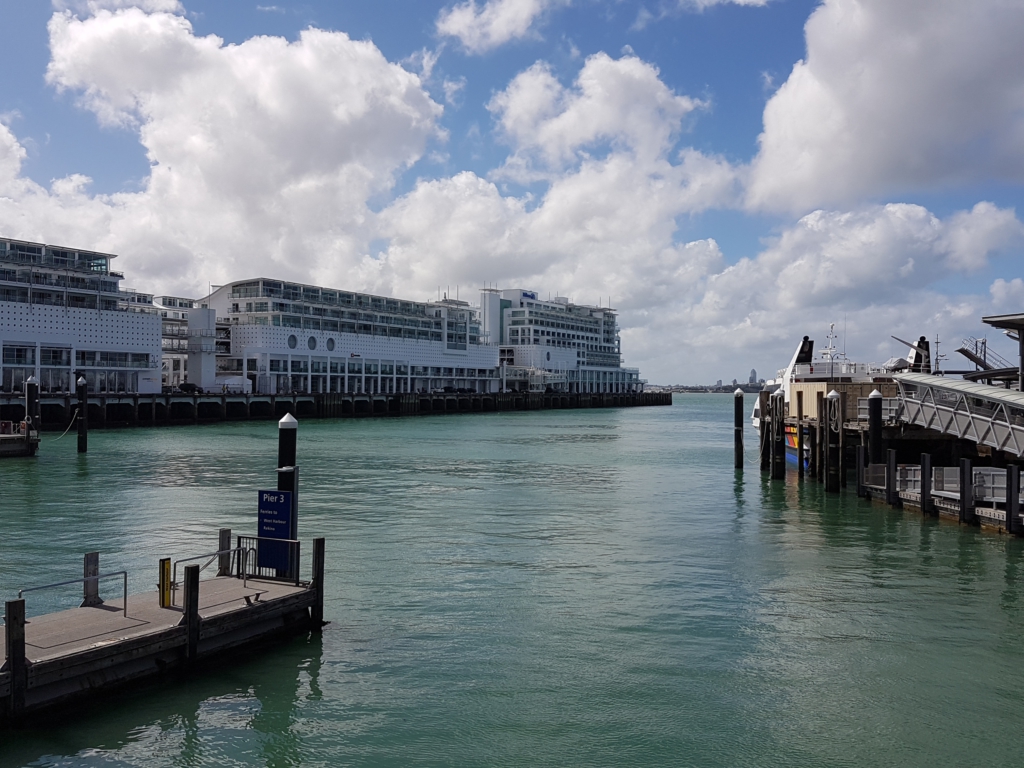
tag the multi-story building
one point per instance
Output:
(272, 336)
(173, 312)
(556, 344)
(63, 315)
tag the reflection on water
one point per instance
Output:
(542, 588)
(199, 719)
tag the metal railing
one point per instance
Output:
(891, 409)
(241, 569)
(285, 551)
(82, 580)
(980, 413)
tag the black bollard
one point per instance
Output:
(1013, 499)
(875, 427)
(83, 415)
(738, 428)
(287, 438)
(926, 484)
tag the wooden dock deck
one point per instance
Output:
(57, 657)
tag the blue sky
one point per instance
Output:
(733, 174)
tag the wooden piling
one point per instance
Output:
(1013, 523)
(812, 454)
(14, 620)
(737, 417)
(83, 415)
(778, 409)
(927, 507)
(764, 432)
(224, 559)
(317, 609)
(91, 585)
(190, 609)
(833, 432)
(966, 492)
(861, 462)
(821, 437)
(800, 435)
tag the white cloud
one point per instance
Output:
(1007, 295)
(483, 28)
(264, 154)
(620, 102)
(894, 97)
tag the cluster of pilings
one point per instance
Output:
(824, 438)
(974, 490)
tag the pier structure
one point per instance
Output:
(943, 446)
(101, 644)
(122, 410)
(253, 591)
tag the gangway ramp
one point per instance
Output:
(983, 414)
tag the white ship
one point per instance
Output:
(832, 369)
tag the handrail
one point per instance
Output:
(213, 556)
(84, 579)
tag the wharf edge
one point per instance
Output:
(131, 410)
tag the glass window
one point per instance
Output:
(292, 342)
(330, 345)
(311, 342)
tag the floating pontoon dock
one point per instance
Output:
(59, 657)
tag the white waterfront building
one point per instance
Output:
(556, 344)
(278, 337)
(63, 315)
(272, 337)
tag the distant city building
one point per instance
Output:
(753, 377)
(63, 315)
(718, 383)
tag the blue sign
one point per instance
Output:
(275, 522)
(529, 295)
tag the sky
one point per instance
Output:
(731, 174)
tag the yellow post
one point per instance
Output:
(164, 586)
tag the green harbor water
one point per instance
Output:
(592, 587)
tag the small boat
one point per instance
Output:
(18, 439)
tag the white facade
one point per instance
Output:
(63, 315)
(288, 337)
(576, 345)
(173, 311)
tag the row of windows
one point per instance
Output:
(273, 289)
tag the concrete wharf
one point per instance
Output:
(61, 657)
(123, 410)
